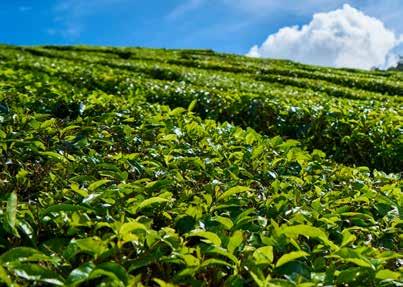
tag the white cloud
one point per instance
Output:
(342, 38)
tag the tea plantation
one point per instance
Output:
(150, 167)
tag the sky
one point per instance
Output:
(233, 26)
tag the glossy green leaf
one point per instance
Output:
(4, 277)
(386, 274)
(290, 257)
(37, 273)
(112, 270)
(354, 275)
(54, 155)
(150, 201)
(225, 221)
(11, 213)
(95, 185)
(264, 255)
(22, 254)
(213, 262)
(209, 237)
(162, 283)
(232, 191)
(80, 274)
(192, 105)
(92, 245)
(235, 241)
(62, 207)
(308, 231)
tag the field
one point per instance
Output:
(151, 167)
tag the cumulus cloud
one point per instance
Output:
(345, 37)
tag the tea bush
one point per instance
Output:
(103, 184)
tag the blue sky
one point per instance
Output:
(223, 25)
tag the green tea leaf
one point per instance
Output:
(162, 283)
(62, 207)
(225, 221)
(308, 231)
(347, 238)
(80, 274)
(290, 257)
(232, 191)
(192, 105)
(354, 275)
(95, 185)
(209, 237)
(264, 255)
(22, 254)
(130, 226)
(11, 213)
(151, 201)
(112, 270)
(54, 155)
(235, 240)
(218, 251)
(213, 262)
(4, 277)
(386, 274)
(93, 246)
(37, 273)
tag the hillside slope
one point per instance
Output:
(353, 116)
(131, 166)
